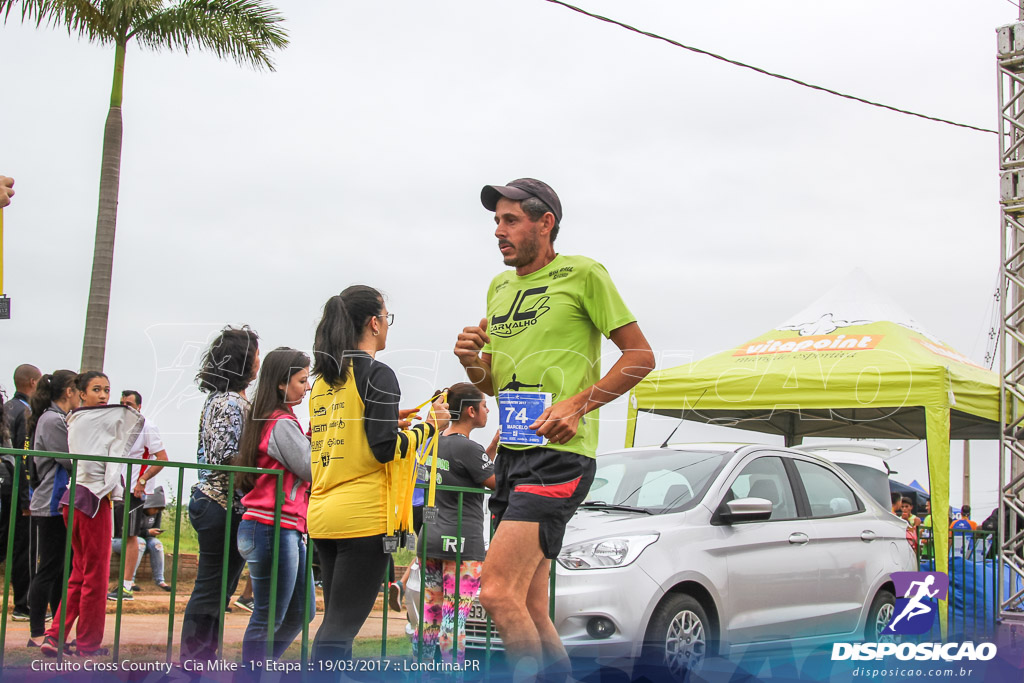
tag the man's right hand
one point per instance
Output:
(6, 190)
(478, 365)
(470, 342)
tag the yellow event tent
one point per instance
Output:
(851, 365)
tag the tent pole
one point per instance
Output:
(967, 473)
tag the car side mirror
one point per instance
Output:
(745, 510)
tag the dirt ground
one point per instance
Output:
(144, 622)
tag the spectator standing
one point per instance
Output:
(543, 331)
(962, 532)
(5, 441)
(461, 462)
(965, 523)
(228, 368)
(907, 512)
(897, 504)
(354, 422)
(148, 446)
(16, 413)
(55, 396)
(93, 429)
(273, 439)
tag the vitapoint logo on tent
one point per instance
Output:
(914, 614)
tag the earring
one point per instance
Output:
(375, 333)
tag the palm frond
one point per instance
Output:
(244, 30)
(123, 15)
(78, 16)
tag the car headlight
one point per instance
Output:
(604, 553)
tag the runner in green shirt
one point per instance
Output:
(542, 335)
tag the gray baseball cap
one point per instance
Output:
(520, 189)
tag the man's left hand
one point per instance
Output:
(558, 424)
(140, 489)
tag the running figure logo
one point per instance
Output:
(915, 611)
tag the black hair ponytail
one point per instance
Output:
(339, 331)
(49, 389)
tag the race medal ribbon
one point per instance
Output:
(430, 509)
(420, 470)
(517, 410)
(401, 475)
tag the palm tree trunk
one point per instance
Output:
(94, 345)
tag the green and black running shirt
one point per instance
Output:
(546, 330)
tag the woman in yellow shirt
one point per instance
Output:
(354, 427)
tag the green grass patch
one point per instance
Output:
(403, 557)
(189, 542)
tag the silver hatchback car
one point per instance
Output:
(689, 551)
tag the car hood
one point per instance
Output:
(589, 524)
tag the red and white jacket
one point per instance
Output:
(283, 446)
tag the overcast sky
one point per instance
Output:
(720, 200)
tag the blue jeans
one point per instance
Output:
(200, 626)
(256, 545)
(155, 549)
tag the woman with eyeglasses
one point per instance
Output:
(354, 424)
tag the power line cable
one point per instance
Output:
(766, 72)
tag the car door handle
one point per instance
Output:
(867, 536)
(798, 538)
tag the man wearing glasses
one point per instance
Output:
(539, 350)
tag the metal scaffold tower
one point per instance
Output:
(1010, 41)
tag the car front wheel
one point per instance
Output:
(679, 636)
(879, 616)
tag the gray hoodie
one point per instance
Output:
(51, 435)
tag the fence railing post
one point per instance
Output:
(8, 552)
(423, 587)
(388, 567)
(126, 499)
(62, 609)
(174, 564)
(275, 562)
(310, 588)
(228, 512)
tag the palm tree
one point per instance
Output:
(244, 30)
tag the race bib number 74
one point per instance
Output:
(517, 411)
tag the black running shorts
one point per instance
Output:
(540, 485)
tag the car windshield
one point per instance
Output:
(656, 481)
